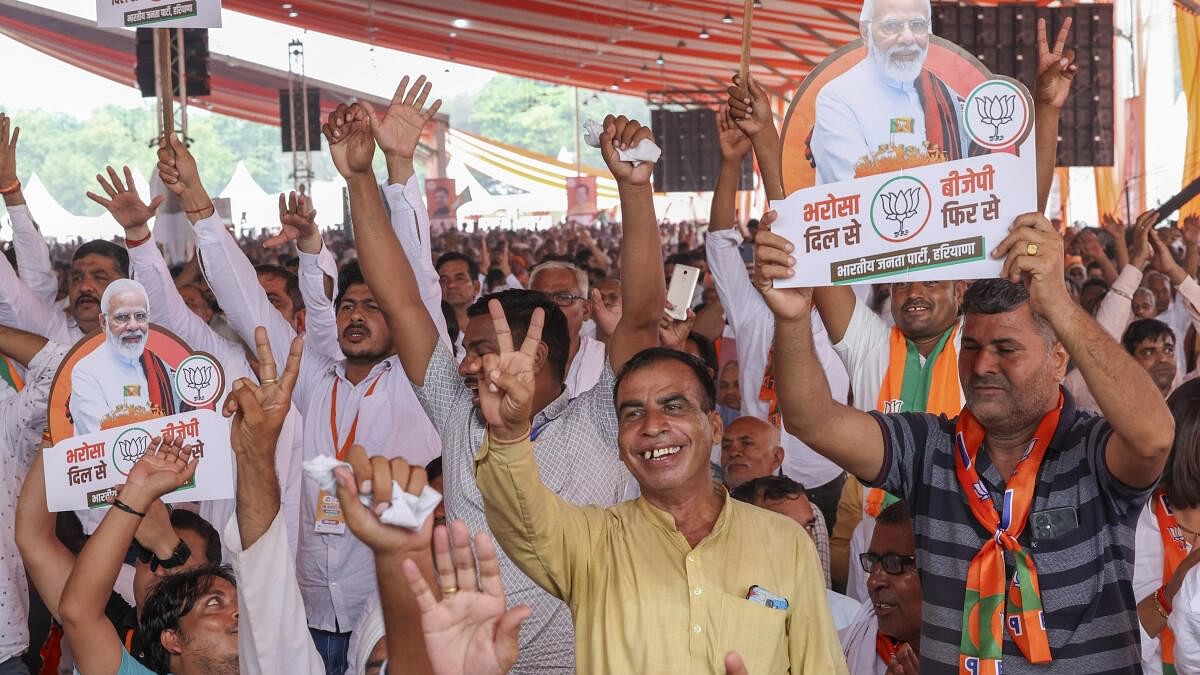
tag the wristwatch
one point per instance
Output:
(179, 556)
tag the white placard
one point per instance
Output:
(927, 223)
(85, 471)
(158, 13)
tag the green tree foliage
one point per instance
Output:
(67, 152)
(538, 116)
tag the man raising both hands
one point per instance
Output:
(1029, 479)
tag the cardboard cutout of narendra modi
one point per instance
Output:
(121, 379)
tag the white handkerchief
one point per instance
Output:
(407, 511)
(644, 151)
(410, 511)
(320, 470)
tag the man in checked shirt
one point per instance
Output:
(575, 438)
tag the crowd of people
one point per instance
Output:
(960, 476)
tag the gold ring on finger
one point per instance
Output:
(447, 590)
(1031, 248)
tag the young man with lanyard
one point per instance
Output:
(358, 397)
(1019, 474)
(910, 366)
(576, 438)
(1163, 553)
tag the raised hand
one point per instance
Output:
(503, 261)
(733, 141)
(674, 333)
(8, 152)
(1089, 245)
(399, 130)
(165, 467)
(124, 203)
(298, 222)
(469, 631)
(1164, 261)
(606, 317)
(773, 260)
(1139, 250)
(258, 409)
(373, 476)
(176, 166)
(1191, 230)
(621, 133)
(351, 144)
(1033, 254)
(1056, 67)
(750, 110)
(506, 380)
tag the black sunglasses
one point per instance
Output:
(893, 563)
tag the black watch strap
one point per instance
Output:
(178, 557)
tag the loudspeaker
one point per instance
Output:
(691, 154)
(195, 61)
(314, 119)
(1004, 38)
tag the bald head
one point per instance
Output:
(750, 449)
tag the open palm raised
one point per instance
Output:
(399, 130)
(123, 201)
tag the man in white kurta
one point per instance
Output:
(115, 374)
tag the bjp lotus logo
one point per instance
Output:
(996, 115)
(900, 209)
(129, 447)
(996, 111)
(199, 380)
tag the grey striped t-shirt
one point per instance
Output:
(1085, 574)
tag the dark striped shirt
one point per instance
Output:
(1085, 574)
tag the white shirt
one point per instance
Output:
(854, 117)
(860, 540)
(336, 571)
(22, 421)
(103, 380)
(33, 255)
(754, 325)
(1185, 623)
(150, 269)
(584, 371)
(842, 608)
(273, 635)
(858, 643)
(21, 307)
(1147, 577)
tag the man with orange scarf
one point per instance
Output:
(1023, 507)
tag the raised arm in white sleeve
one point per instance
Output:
(1117, 306)
(410, 221)
(20, 307)
(233, 280)
(33, 255)
(320, 322)
(273, 632)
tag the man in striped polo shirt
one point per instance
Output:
(1023, 507)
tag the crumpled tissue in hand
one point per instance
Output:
(407, 511)
(644, 151)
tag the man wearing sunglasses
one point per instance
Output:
(885, 634)
(889, 97)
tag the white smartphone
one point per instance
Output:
(681, 290)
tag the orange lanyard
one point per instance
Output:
(333, 426)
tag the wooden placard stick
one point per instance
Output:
(166, 94)
(744, 67)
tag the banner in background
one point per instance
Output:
(158, 13)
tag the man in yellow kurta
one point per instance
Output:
(677, 579)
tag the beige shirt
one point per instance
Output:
(642, 599)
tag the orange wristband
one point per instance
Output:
(8, 190)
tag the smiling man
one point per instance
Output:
(1019, 491)
(652, 583)
(887, 98)
(886, 633)
(121, 374)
